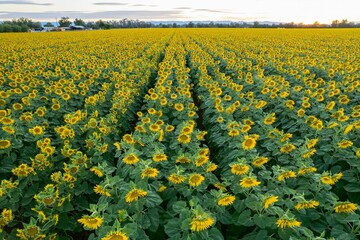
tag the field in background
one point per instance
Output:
(180, 134)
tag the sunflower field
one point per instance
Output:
(180, 134)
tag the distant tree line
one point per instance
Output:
(25, 24)
(19, 25)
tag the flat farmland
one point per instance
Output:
(180, 134)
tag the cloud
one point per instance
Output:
(143, 5)
(25, 3)
(109, 3)
(183, 8)
(210, 10)
(141, 15)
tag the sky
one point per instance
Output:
(305, 11)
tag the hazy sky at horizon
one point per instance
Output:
(306, 11)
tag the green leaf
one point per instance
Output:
(215, 234)
(172, 228)
(245, 219)
(152, 199)
(352, 187)
(154, 218)
(179, 206)
(260, 220)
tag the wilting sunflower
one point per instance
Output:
(286, 175)
(226, 200)
(345, 207)
(270, 200)
(201, 222)
(287, 223)
(91, 222)
(101, 191)
(134, 195)
(304, 171)
(306, 204)
(258, 162)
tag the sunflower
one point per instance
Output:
(304, 171)
(245, 128)
(154, 127)
(287, 223)
(287, 148)
(176, 179)
(249, 182)
(159, 157)
(187, 130)
(286, 175)
(212, 167)
(4, 144)
(115, 235)
(91, 222)
(345, 207)
(196, 179)
(201, 222)
(182, 159)
(169, 128)
(234, 133)
(150, 173)
(162, 188)
(248, 143)
(184, 138)
(128, 139)
(130, 159)
(37, 130)
(258, 162)
(22, 170)
(270, 119)
(226, 201)
(101, 191)
(201, 160)
(17, 106)
(345, 144)
(311, 143)
(239, 169)
(179, 107)
(134, 195)
(270, 200)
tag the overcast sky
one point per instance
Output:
(306, 11)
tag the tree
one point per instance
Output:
(335, 23)
(49, 24)
(344, 23)
(64, 22)
(79, 22)
(316, 24)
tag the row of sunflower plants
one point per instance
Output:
(159, 189)
(274, 165)
(52, 155)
